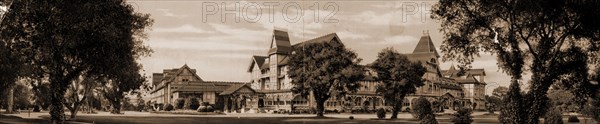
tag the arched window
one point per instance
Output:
(433, 60)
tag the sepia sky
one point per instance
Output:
(194, 32)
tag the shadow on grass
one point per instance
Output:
(229, 120)
(247, 120)
(9, 119)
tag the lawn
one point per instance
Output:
(245, 120)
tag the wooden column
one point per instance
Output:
(226, 108)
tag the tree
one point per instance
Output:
(9, 65)
(591, 109)
(398, 76)
(63, 39)
(562, 99)
(492, 103)
(554, 116)
(421, 109)
(512, 111)
(548, 38)
(21, 96)
(125, 83)
(324, 69)
(500, 92)
(78, 92)
(40, 90)
(462, 116)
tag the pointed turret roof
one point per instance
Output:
(425, 45)
(280, 42)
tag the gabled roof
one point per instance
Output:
(425, 45)
(186, 67)
(324, 38)
(259, 60)
(157, 78)
(204, 86)
(476, 72)
(451, 72)
(236, 87)
(467, 80)
(281, 47)
(280, 43)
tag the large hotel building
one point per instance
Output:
(269, 87)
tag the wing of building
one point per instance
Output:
(175, 85)
(269, 77)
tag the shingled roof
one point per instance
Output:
(324, 38)
(233, 88)
(280, 45)
(258, 60)
(280, 42)
(469, 78)
(425, 45)
(205, 86)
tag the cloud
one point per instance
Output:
(187, 28)
(200, 45)
(352, 35)
(239, 34)
(393, 17)
(399, 39)
(168, 13)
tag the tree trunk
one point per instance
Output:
(320, 107)
(116, 107)
(397, 107)
(537, 98)
(74, 111)
(11, 100)
(57, 112)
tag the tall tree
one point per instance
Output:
(78, 92)
(9, 64)
(128, 80)
(543, 37)
(398, 76)
(64, 38)
(500, 92)
(323, 70)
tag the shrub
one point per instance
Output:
(36, 108)
(592, 110)
(194, 103)
(573, 118)
(351, 117)
(429, 119)
(421, 108)
(209, 108)
(553, 117)
(462, 116)
(168, 107)
(380, 113)
(179, 103)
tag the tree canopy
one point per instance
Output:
(398, 76)
(323, 70)
(551, 39)
(66, 38)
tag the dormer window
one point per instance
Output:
(185, 80)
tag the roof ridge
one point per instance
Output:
(323, 36)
